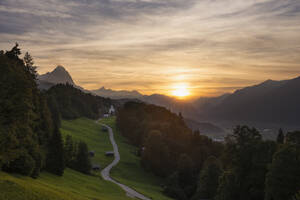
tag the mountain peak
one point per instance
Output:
(60, 68)
(58, 75)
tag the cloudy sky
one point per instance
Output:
(210, 46)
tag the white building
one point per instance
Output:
(111, 110)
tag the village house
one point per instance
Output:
(109, 153)
(95, 167)
(92, 153)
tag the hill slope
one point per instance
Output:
(129, 170)
(72, 186)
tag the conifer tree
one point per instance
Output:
(69, 150)
(280, 137)
(28, 61)
(83, 163)
(55, 158)
(14, 52)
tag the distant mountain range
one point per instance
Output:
(267, 102)
(272, 102)
(121, 94)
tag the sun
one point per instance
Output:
(181, 91)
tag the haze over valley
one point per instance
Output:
(250, 105)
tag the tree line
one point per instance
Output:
(244, 167)
(73, 103)
(30, 139)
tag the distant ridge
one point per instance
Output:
(271, 101)
(268, 102)
(120, 94)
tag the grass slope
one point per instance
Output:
(73, 185)
(76, 186)
(129, 170)
(91, 133)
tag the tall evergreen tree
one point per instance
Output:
(280, 137)
(55, 158)
(55, 113)
(70, 152)
(186, 175)
(28, 61)
(14, 52)
(83, 163)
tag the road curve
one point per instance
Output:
(105, 173)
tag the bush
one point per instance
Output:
(24, 164)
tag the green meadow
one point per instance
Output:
(71, 186)
(76, 186)
(91, 133)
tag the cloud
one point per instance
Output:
(152, 44)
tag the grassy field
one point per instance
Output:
(91, 133)
(77, 186)
(129, 170)
(72, 186)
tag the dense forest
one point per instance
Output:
(244, 167)
(73, 103)
(30, 139)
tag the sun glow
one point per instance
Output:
(181, 91)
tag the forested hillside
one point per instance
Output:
(73, 103)
(30, 139)
(26, 122)
(167, 147)
(245, 167)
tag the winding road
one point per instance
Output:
(106, 171)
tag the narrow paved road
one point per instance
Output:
(105, 172)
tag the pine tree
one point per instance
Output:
(28, 61)
(55, 113)
(280, 137)
(14, 52)
(83, 163)
(55, 158)
(69, 150)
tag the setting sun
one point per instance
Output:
(181, 91)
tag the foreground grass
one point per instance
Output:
(72, 186)
(129, 170)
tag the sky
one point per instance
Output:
(208, 47)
